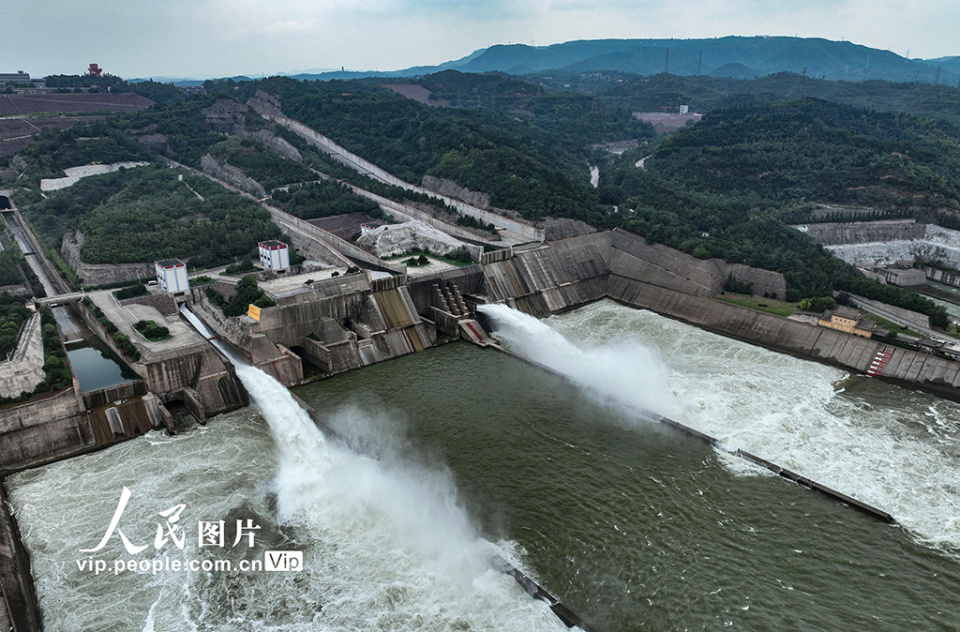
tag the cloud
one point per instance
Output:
(227, 37)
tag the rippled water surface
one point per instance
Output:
(458, 452)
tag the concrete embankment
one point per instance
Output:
(618, 265)
(942, 276)
(18, 602)
(44, 429)
(33, 253)
(936, 375)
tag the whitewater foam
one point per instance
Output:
(626, 370)
(407, 528)
(878, 443)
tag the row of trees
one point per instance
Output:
(55, 366)
(13, 313)
(247, 293)
(322, 199)
(122, 340)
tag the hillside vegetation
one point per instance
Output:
(812, 150)
(148, 214)
(728, 186)
(739, 57)
(522, 164)
(703, 94)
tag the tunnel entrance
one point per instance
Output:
(183, 419)
(5, 203)
(310, 370)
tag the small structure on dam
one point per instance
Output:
(274, 255)
(850, 320)
(327, 322)
(172, 276)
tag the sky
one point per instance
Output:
(218, 38)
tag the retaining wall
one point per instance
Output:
(18, 603)
(884, 310)
(304, 229)
(833, 347)
(101, 273)
(42, 430)
(24, 370)
(841, 233)
(942, 276)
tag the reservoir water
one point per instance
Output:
(95, 366)
(459, 451)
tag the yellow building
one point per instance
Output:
(849, 320)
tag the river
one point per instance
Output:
(458, 452)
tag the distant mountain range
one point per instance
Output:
(734, 57)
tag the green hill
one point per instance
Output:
(535, 163)
(737, 57)
(703, 94)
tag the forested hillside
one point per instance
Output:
(727, 186)
(813, 151)
(149, 213)
(534, 164)
(703, 94)
(55, 150)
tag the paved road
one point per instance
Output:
(951, 343)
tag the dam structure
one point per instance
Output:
(344, 323)
(326, 326)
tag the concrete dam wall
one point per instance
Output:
(934, 374)
(621, 266)
(347, 322)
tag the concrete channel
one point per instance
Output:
(717, 444)
(531, 587)
(343, 323)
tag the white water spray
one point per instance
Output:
(894, 449)
(627, 372)
(402, 541)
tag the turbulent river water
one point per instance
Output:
(459, 452)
